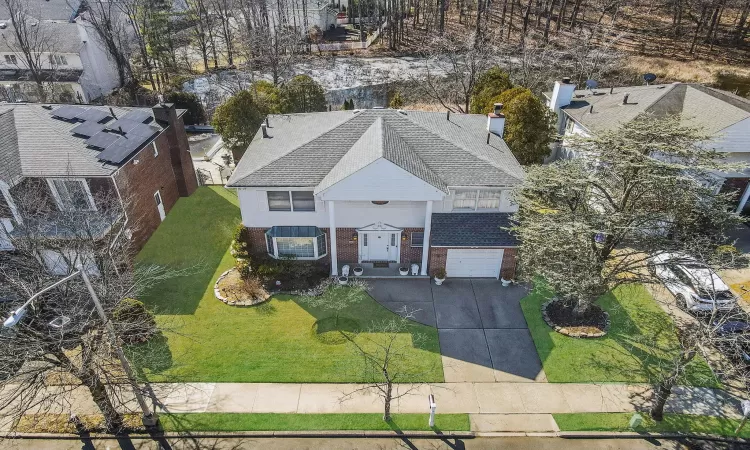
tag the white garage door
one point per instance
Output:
(474, 262)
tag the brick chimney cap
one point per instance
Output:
(566, 80)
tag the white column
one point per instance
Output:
(332, 227)
(426, 240)
(745, 198)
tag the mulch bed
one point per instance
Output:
(559, 315)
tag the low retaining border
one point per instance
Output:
(571, 333)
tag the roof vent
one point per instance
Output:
(3, 25)
(625, 98)
(47, 107)
(264, 129)
(401, 111)
(566, 80)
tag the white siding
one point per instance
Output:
(349, 214)
(385, 181)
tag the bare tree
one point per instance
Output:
(461, 61)
(385, 354)
(60, 345)
(110, 26)
(33, 41)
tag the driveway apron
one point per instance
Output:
(482, 331)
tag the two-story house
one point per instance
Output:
(80, 160)
(74, 62)
(382, 188)
(723, 116)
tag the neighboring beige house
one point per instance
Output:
(720, 114)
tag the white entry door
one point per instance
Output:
(159, 205)
(378, 246)
(474, 263)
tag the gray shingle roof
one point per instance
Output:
(54, 37)
(314, 149)
(45, 147)
(45, 9)
(472, 230)
(711, 109)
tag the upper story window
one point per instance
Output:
(72, 194)
(476, 199)
(11, 59)
(58, 60)
(291, 200)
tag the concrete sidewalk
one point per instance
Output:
(473, 398)
(491, 406)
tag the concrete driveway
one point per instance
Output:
(483, 334)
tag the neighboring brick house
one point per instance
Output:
(383, 189)
(89, 158)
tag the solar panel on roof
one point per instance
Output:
(102, 139)
(123, 124)
(119, 151)
(143, 130)
(94, 115)
(138, 116)
(88, 128)
(68, 112)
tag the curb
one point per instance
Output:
(635, 435)
(254, 434)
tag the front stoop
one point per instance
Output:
(509, 423)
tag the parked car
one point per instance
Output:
(732, 338)
(695, 286)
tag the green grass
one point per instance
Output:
(623, 355)
(311, 422)
(273, 342)
(672, 423)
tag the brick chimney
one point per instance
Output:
(165, 115)
(496, 120)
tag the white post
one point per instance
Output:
(426, 240)
(745, 198)
(332, 227)
(433, 408)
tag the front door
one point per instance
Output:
(378, 246)
(159, 205)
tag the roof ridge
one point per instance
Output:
(316, 137)
(465, 148)
(390, 133)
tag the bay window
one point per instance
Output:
(71, 194)
(296, 242)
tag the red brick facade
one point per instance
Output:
(171, 172)
(348, 250)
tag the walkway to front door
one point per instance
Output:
(483, 334)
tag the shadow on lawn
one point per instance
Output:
(361, 317)
(194, 237)
(639, 344)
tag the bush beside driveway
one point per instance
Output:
(621, 356)
(207, 340)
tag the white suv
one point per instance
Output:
(694, 285)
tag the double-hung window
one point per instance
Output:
(72, 194)
(476, 200)
(417, 239)
(58, 60)
(291, 201)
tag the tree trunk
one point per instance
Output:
(574, 14)
(561, 15)
(740, 28)
(661, 394)
(549, 18)
(388, 398)
(698, 27)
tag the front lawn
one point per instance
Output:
(209, 341)
(672, 423)
(311, 422)
(637, 323)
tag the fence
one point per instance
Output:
(339, 46)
